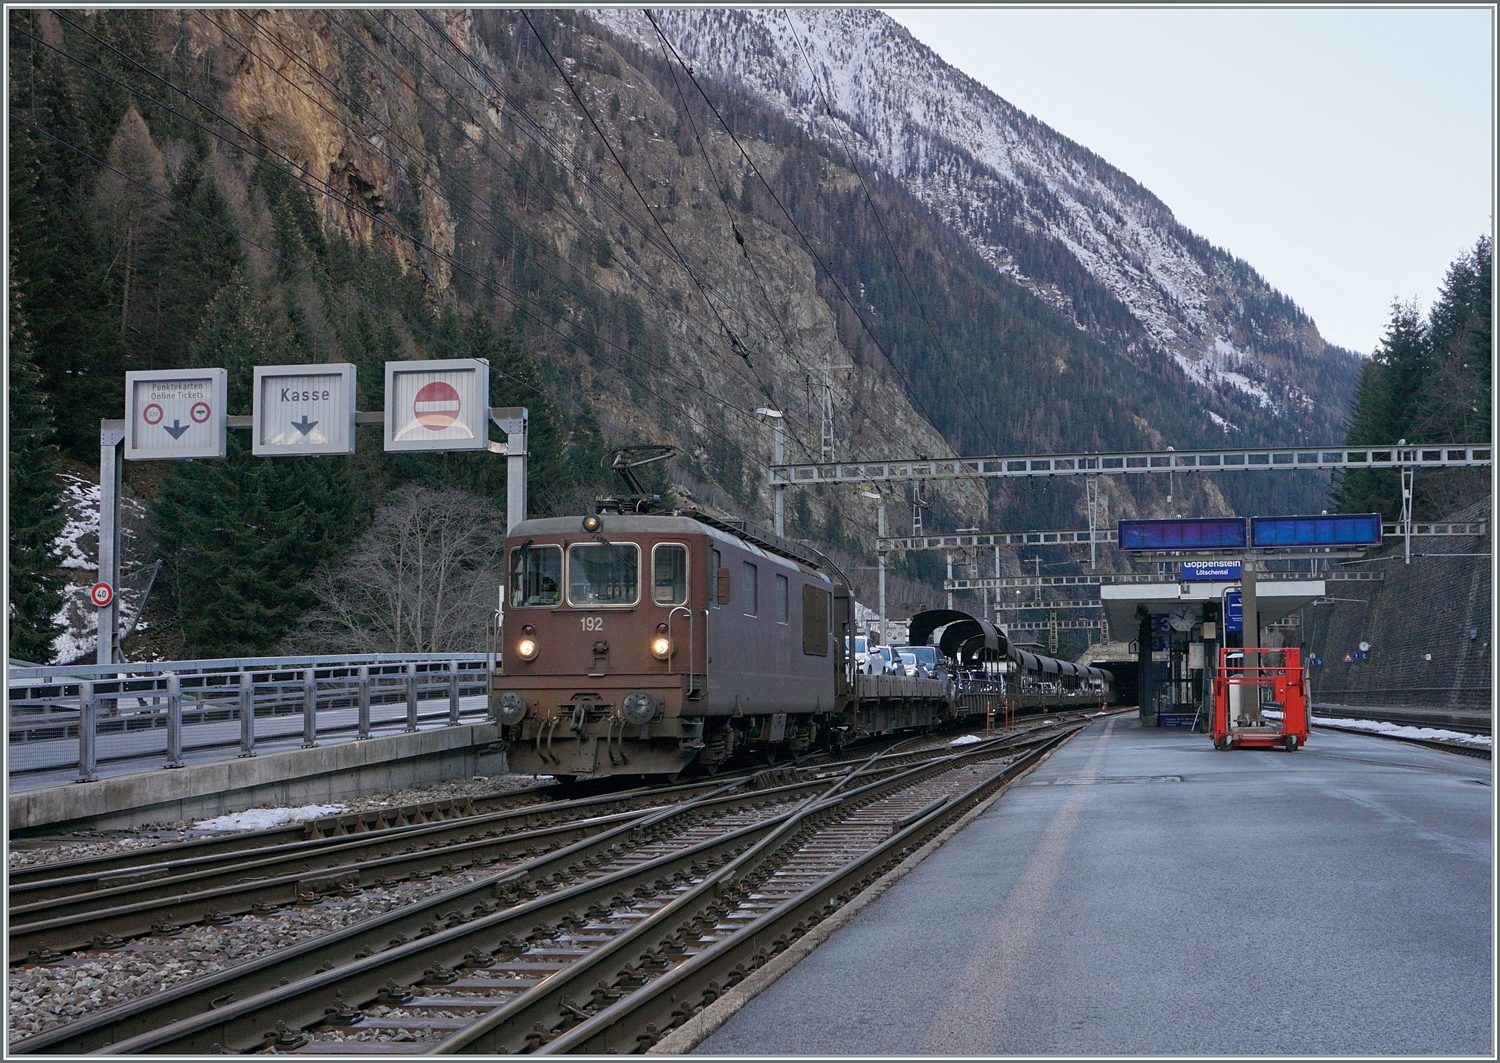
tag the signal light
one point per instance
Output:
(661, 647)
(526, 648)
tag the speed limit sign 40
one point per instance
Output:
(101, 594)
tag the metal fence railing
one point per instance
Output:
(81, 721)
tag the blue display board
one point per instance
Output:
(1211, 533)
(1201, 571)
(1325, 529)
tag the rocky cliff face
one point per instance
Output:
(450, 138)
(1037, 207)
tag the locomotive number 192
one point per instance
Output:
(592, 623)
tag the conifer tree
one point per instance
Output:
(1429, 382)
(1382, 412)
(35, 586)
(194, 255)
(57, 250)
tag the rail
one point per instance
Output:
(74, 721)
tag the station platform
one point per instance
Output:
(1141, 893)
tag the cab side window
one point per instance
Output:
(749, 576)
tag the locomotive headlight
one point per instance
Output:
(526, 648)
(510, 707)
(661, 645)
(638, 708)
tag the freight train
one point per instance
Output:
(641, 643)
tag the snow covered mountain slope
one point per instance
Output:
(1043, 210)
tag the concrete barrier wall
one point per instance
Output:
(324, 774)
(1425, 609)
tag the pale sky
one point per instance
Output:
(1345, 153)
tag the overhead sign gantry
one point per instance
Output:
(297, 410)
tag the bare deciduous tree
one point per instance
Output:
(424, 579)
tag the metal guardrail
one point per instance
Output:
(73, 719)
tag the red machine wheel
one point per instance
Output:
(1291, 743)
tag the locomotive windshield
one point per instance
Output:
(603, 573)
(535, 576)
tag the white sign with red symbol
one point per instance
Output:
(437, 405)
(175, 413)
(101, 594)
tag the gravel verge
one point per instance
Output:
(82, 844)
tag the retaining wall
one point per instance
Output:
(295, 777)
(1428, 625)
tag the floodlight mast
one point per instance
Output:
(881, 554)
(777, 456)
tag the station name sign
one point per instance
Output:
(1206, 571)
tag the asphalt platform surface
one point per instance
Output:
(1142, 893)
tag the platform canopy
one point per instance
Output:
(1275, 600)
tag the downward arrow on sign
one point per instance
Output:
(176, 428)
(304, 426)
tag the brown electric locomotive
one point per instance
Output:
(642, 642)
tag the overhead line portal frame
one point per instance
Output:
(1401, 456)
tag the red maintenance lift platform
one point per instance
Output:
(1262, 704)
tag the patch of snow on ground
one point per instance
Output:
(70, 646)
(965, 740)
(261, 818)
(1396, 730)
(1198, 373)
(1224, 425)
(80, 504)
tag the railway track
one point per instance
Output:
(107, 900)
(545, 800)
(709, 866)
(1431, 743)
